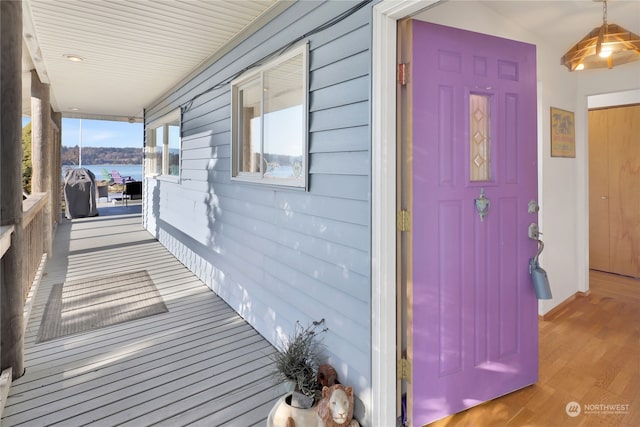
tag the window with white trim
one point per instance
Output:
(163, 146)
(269, 122)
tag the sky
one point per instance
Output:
(99, 133)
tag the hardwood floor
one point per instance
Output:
(589, 354)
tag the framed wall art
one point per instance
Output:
(563, 133)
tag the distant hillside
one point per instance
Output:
(102, 155)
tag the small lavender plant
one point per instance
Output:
(298, 357)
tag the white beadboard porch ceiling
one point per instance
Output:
(137, 50)
(134, 51)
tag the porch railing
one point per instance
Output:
(5, 238)
(33, 225)
(33, 247)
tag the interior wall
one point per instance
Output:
(558, 177)
(558, 181)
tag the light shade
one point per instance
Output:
(604, 47)
(73, 58)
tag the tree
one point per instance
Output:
(27, 166)
(102, 155)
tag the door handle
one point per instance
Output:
(541, 284)
(534, 231)
(534, 234)
(540, 249)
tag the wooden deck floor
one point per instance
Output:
(197, 364)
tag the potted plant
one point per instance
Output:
(296, 362)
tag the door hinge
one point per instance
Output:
(402, 74)
(404, 369)
(404, 220)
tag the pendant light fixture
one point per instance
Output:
(603, 47)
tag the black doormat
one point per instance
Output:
(95, 302)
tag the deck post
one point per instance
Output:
(41, 150)
(56, 118)
(11, 297)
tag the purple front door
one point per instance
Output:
(472, 308)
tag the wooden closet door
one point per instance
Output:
(598, 191)
(624, 189)
(614, 190)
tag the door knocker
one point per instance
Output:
(482, 205)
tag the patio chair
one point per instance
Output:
(118, 179)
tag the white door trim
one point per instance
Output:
(383, 205)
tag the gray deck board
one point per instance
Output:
(197, 364)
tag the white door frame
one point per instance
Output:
(383, 205)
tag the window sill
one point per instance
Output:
(283, 183)
(168, 178)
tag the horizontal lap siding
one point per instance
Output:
(278, 255)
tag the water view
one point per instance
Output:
(134, 171)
